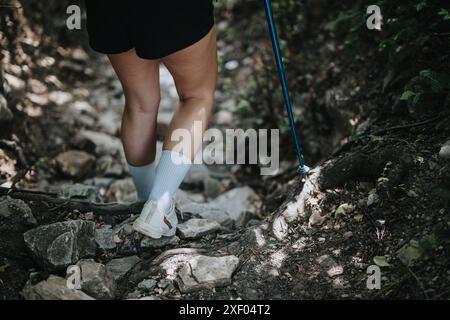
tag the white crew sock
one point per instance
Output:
(143, 178)
(171, 170)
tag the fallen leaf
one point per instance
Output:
(344, 209)
(381, 261)
(359, 218)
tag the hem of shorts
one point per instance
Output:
(178, 48)
(103, 51)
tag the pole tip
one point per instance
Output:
(303, 170)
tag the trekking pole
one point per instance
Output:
(303, 169)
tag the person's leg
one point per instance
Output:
(140, 82)
(194, 70)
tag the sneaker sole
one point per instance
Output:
(145, 230)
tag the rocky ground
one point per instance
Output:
(381, 198)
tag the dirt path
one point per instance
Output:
(380, 200)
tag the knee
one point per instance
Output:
(142, 104)
(203, 97)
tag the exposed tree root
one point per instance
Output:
(306, 203)
(100, 209)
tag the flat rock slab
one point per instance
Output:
(97, 280)
(80, 191)
(15, 214)
(103, 143)
(331, 267)
(197, 175)
(75, 163)
(202, 272)
(121, 266)
(236, 207)
(197, 228)
(122, 191)
(104, 237)
(56, 246)
(54, 288)
(147, 284)
(444, 153)
(149, 243)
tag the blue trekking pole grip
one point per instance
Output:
(303, 169)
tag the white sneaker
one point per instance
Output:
(154, 223)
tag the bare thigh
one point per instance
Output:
(139, 78)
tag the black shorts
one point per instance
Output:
(154, 28)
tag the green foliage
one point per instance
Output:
(438, 82)
(381, 261)
(411, 44)
(342, 17)
(408, 94)
(420, 6)
(444, 14)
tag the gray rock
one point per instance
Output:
(149, 243)
(231, 65)
(410, 253)
(316, 218)
(164, 283)
(74, 163)
(99, 182)
(97, 280)
(197, 228)
(13, 82)
(154, 298)
(373, 198)
(58, 245)
(206, 211)
(110, 167)
(184, 197)
(54, 288)
(147, 285)
(348, 235)
(121, 266)
(213, 187)
(109, 122)
(104, 144)
(330, 266)
(104, 237)
(15, 212)
(5, 114)
(125, 228)
(444, 153)
(122, 191)
(131, 240)
(135, 295)
(197, 175)
(80, 191)
(344, 209)
(239, 203)
(202, 272)
(444, 175)
(236, 206)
